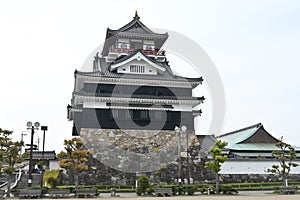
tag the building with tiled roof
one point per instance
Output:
(250, 151)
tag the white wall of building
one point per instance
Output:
(53, 164)
(251, 167)
(148, 68)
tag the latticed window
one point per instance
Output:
(137, 68)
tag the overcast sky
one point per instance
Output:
(255, 46)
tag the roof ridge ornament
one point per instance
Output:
(136, 16)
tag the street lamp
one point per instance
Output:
(179, 130)
(43, 128)
(32, 128)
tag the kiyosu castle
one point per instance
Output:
(132, 85)
(130, 102)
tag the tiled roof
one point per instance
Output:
(239, 135)
(48, 155)
(134, 29)
(236, 138)
(134, 26)
(138, 96)
(165, 76)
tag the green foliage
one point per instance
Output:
(43, 189)
(10, 155)
(143, 185)
(218, 159)
(51, 177)
(150, 190)
(75, 157)
(204, 189)
(228, 189)
(190, 190)
(139, 191)
(286, 156)
(52, 182)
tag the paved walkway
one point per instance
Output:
(211, 197)
(243, 195)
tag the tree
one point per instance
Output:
(75, 158)
(11, 159)
(286, 156)
(218, 158)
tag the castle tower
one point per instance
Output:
(131, 102)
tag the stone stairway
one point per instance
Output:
(23, 183)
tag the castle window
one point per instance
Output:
(137, 69)
(123, 45)
(148, 47)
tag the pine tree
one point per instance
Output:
(286, 156)
(218, 158)
(75, 158)
(11, 159)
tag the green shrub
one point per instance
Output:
(52, 174)
(143, 184)
(150, 190)
(139, 191)
(52, 182)
(190, 190)
(43, 189)
(228, 189)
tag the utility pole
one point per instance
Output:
(187, 157)
(43, 128)
(22, 137)
(38, 143)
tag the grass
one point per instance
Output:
(50, 173)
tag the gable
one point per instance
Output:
(240, 135)
(137, 64)
(137, 67)
(260, 136)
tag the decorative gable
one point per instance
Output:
(260, 136)
(137, 64)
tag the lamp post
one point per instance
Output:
(32, 128)
(43, 128)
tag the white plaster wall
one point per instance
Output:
(53, 164)
(93, 104)
(182, 107)
(148, 68)
(250, 167)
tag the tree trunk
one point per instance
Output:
(76, 181)
(217, 183)
(285, 180)
(8, 185)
